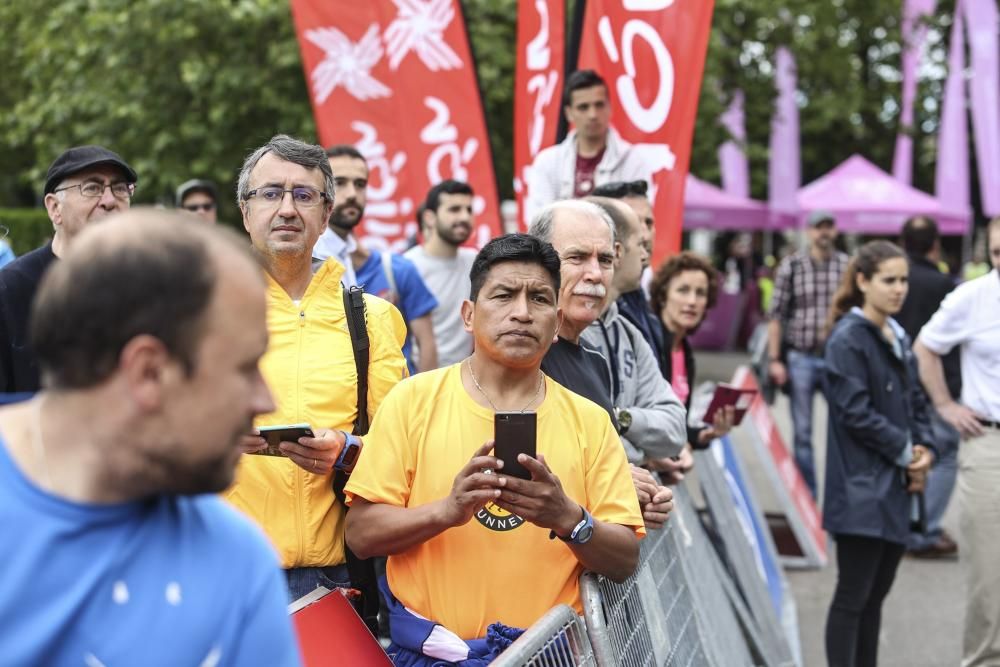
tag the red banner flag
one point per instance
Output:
(652, 54)
(395, 78)
(537, 85)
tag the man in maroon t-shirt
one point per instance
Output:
(592, 154)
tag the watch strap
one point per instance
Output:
(349, 452)
(574, 535)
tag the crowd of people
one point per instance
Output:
(160, 349)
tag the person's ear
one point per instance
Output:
(559, 322)
(53, 206)
(468, 314)
(148, 370)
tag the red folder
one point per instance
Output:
(331, 634)
(726, 395)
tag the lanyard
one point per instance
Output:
(612, 362)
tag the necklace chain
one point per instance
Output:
(541, 381)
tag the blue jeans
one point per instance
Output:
(940, 481)
(805, 378)
(304, 580)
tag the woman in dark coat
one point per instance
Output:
(682, 290)
(878, 449)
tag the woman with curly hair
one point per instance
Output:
(682, 290)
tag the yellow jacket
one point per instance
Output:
(309, 366)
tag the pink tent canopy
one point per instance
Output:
(707, 206)
(865, 199)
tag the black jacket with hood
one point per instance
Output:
(876, 406)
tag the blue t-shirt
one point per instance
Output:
(171, 580)
(412, 297)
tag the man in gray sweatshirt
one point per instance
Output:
(652, 421)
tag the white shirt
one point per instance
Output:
(329, 244)
(970, 316)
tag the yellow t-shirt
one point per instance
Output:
(496, 567)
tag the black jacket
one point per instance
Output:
(18, 284)
(876, 405)
(928, 288)
(667, 365)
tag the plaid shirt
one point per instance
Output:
(803, 294)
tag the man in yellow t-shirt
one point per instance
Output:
(468, 545)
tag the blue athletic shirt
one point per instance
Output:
(172, 580)
(412, 297)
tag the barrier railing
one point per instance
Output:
(558, 639)
(679, 609)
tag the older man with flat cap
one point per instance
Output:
(84, 184)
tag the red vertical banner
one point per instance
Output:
(396, 79)
(652, 54)
(537, 85)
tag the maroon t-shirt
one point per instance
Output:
(583, 178)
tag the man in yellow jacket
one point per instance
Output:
(286, 195)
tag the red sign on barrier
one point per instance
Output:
(652, 54)
(395, 78)
(537, 85)
(804, 517)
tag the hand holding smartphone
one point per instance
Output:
(274, 435)
(514, 433)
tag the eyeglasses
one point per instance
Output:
(194, 208)
(621, 189)
(303, 196)
(93, 189)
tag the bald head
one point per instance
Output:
(142, 272)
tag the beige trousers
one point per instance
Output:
(979, 502)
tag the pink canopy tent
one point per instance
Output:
(707, 206)
(864, 199)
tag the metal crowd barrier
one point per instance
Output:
(558, 639)
(674, 611)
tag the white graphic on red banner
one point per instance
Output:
(537, 86)
(347, 64)
(425, 124)
(419, 27)
(652, 54)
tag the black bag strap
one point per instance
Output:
(354, 307)
(361, 571)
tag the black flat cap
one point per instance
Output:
(83, 157)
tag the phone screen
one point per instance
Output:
(277, 434)
(513, 434)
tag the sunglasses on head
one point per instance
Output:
(194, 208)
(621, 189)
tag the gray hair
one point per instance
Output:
(543, 222)
(310, 156)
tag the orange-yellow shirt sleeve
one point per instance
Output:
(611, 494)
(386, 365)
(384, 471)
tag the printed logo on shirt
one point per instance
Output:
(496, 518)
(629, 363)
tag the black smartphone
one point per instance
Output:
(513, 434)
(277, 434)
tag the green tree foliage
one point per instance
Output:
(185, 88)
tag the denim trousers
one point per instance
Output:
(304, 580)
(940, 480)
(805, 378)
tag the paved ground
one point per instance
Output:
(922, 617)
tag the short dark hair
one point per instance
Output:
(446, 187)
(345, 150)
(89, 306)
(670, 269)
(514, 248)
(919, 235)
(621, 189)
(581, 79)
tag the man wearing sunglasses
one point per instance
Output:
(84, 184)
(199, 198)
(592, 154)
